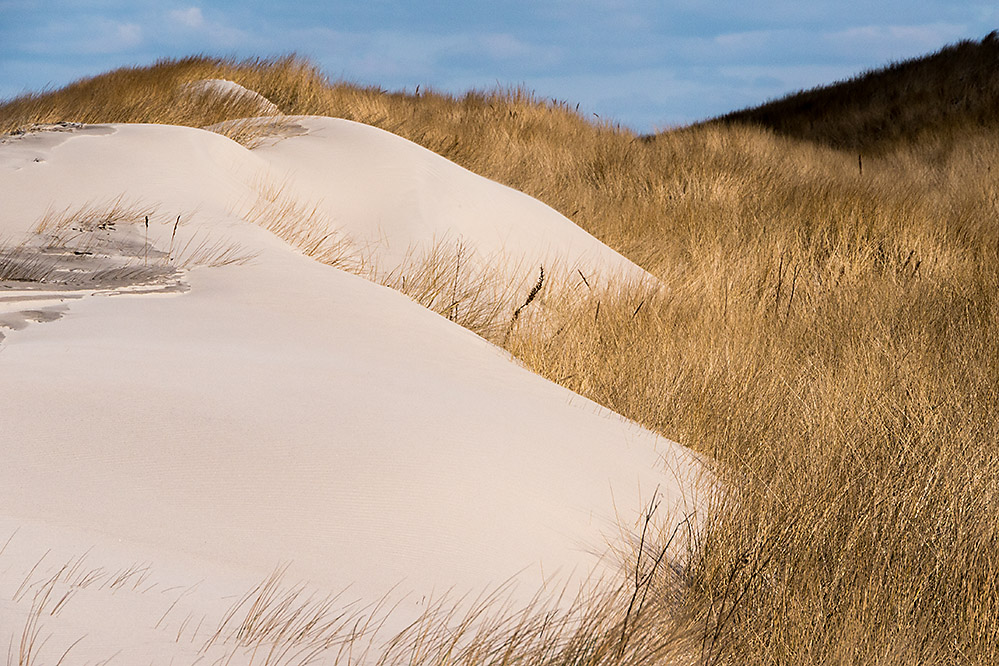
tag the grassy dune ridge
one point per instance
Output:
(828, 336)
(947, 92)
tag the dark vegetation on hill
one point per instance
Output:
(953, 90)
(827, 337)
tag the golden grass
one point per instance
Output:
(828, 336)
(303, 226)
(450, 279)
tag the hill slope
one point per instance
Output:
(953, 89)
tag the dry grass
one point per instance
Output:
(280, 624)
(285, 625)
(51, 592)
(448, 278)
(827, 336)
(830, 340)
(304, 226)
(156, 95)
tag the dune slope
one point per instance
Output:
(252, 407)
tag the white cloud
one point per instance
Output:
(774, 80)
(127, 35)
(504, 46)
(189, 18)
(189, 25)
(745, 41)
(881, 42)
(118, 37)
(89, 37)
(406, 58)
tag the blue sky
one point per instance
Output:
(644, 64)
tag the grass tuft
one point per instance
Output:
(106, 245)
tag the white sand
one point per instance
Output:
(226, 88)
(284, 411)
(395, 198)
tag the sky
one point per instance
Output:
(644, 64)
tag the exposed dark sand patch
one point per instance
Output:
(18, 320)
(47, 269)
(104, 257)
(37, 129)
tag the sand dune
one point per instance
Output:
(394, 198)
(230, 404)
